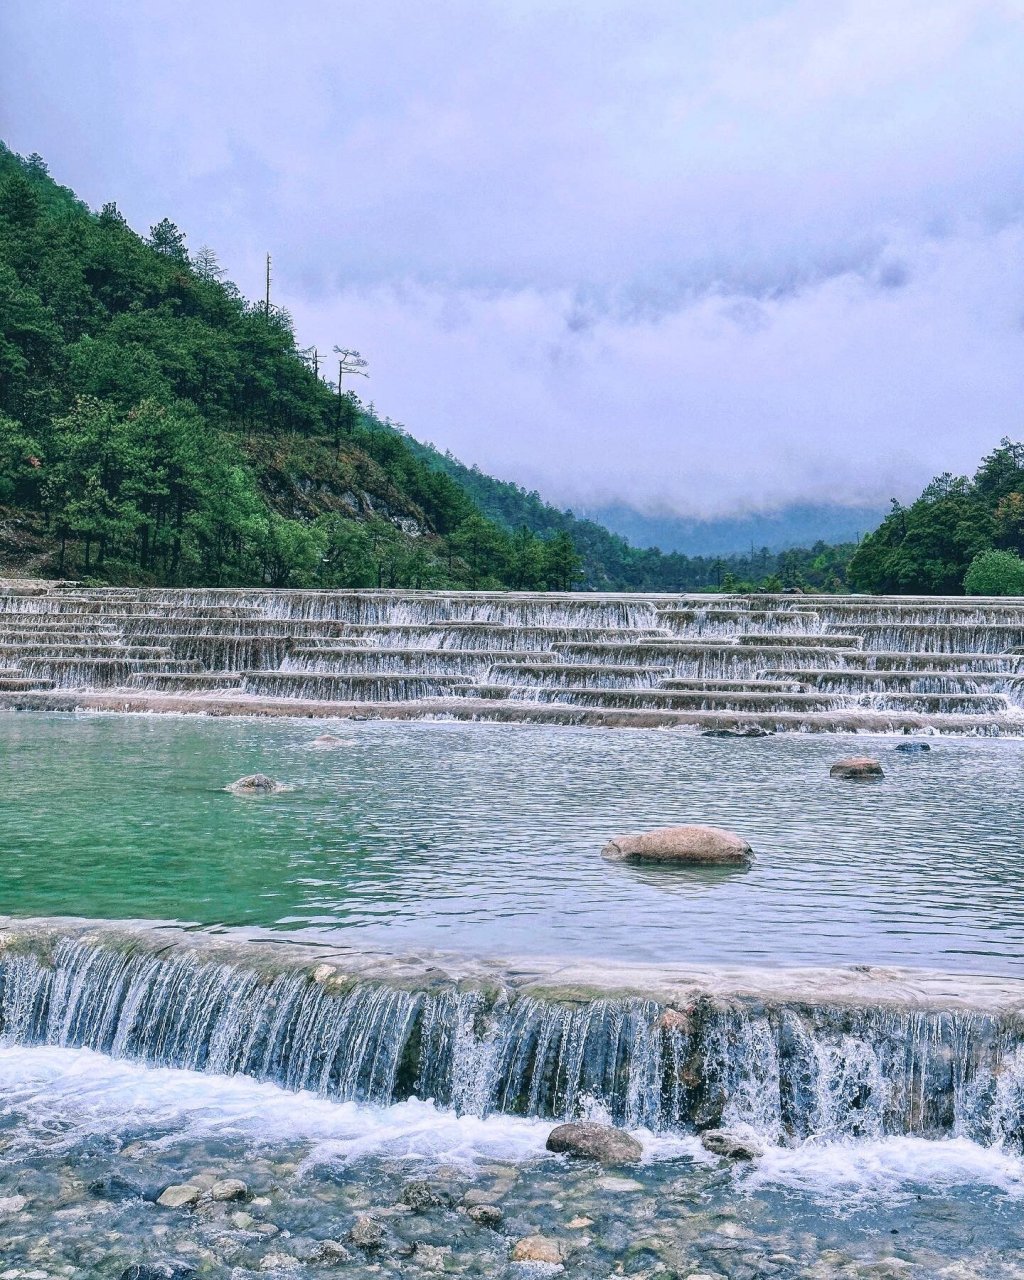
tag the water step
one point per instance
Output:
(904, 681)
(666, 699)
(16, 684)
(576, 674)
(470, 635)
(98, 673)
(107, 649)
(368, 687)
(352, 659)
(940, 638)
(185, 681)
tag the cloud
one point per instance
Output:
(708, 259)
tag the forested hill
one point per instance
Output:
(157, 427)
(963, 534)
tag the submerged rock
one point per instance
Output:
(913, 746)
(726, 1142)
(326, 740)
(537, 1249)
(366, 1233)
(331, 1253)
(179, 1196)
(685, 846)
(422, 1195)
(485, 1215)
(856, 767)
(595, 1142)
(254, 784)
(229, 1189)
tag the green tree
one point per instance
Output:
(563, 563)
(995, 573)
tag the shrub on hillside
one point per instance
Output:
(995, 573)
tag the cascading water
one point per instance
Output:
(781, 662)
(790, 1069)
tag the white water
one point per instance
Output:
(61, 1097)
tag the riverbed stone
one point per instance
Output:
(734, 1145)
(179, 1196)
(229, 1189)
(254, 784)
(696, 846)
(422, 1195)
(857, 768)
(595, 1142)
(485, 1215)
(366, 1233)
(331, 1253)
(537, 1249)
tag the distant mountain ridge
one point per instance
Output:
(799, 525)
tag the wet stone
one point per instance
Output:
(485, 1215)
(178, 1197)
(421, 1196)
(537, 1249)
(367, 1233)
(229, 1189)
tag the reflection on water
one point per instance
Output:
(487, 838)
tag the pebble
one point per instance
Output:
(242, 1221)
(278, 1262)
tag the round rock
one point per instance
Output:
(913, 747)
(595, 1142)
(326, 740)
(691, 846)
(229, 1189)
(857, 768)
(254, 784)
(178, 1197)
(737, 1146)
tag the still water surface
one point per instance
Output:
(486, 838)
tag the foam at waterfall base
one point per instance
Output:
(62, 1097)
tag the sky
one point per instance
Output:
(706, 259)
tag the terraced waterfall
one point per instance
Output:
(779, 662)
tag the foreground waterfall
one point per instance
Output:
(825, 1060)
(778, 662)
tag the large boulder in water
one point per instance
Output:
(595, 1142)
(254, 784)
(913, 747)
(857, 768)
(691, 846)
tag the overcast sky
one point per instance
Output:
(710, 258)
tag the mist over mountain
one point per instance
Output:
(795, 526)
